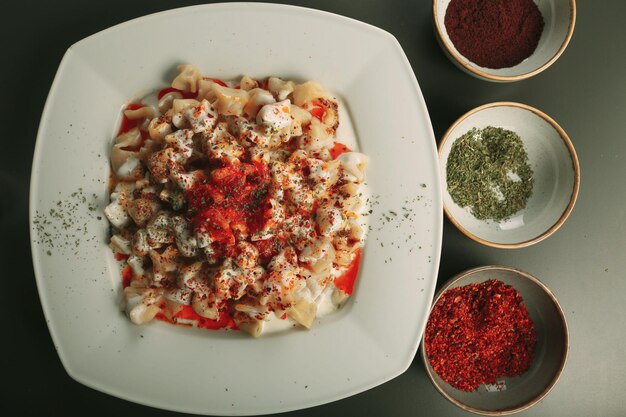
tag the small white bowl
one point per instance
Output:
(521, 392)
(556, 174)
(559, 20)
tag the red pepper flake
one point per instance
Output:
(479, 333)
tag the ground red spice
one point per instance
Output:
(494, 33)
(479, 333)
(234, 198)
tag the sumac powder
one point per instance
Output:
(494, 33)
(479, 333)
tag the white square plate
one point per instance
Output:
(369, 341)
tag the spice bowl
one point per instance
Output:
(469, 28)
(555, 177)
(510, 394)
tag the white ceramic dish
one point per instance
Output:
(559, 20)
(369, 341)
(556, 175)
(522, 392)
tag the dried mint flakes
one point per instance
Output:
(488, 172)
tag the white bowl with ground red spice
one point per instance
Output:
(504, 40)
(501, 304)
(555, 175)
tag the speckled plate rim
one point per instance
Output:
(542, 394)
(505, 78)
(575, 164)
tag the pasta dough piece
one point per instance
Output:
(159, 230)
(205, 305)
(319, 255)
(125, 156)
(187, 78)
(247, 83)
(275, 116)
(280, 88)
(163, 264)
(227, 101)
(145, 112)
(141, 210)
(160, 163)
(253, 327)
(115, 211)
(140, 304)
(159, 127)
(317, 137)
(201, 117)
(120, 245)
(185, 242)
(257, 98)
(307, 92)
(166, 102)
(182, 144)
(354, 164)
(140, 245)
(304, 312)
(330, 220)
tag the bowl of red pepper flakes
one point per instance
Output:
(496, 340)
(504, 40)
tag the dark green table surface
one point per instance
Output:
(584, 263)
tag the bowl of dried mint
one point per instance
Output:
(510, 175)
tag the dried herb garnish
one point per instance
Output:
(488, 172)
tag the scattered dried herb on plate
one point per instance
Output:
(488, 172)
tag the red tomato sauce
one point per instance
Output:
(187, 313)
(338, 149)
(120, 256)
(346, 281)
(128, 124)
(127, 276)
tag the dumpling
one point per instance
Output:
(187, 78)
(354, 164)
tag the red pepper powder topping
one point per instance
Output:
(233, 200)
(479, 333)
(494, 33)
